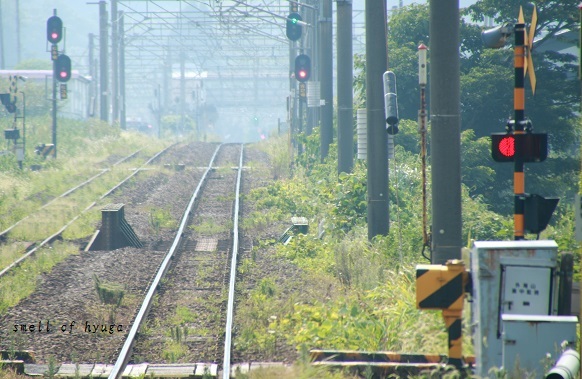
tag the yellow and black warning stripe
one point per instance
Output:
(443, 287)
(318, 355)
(439, 287)
(44, 149)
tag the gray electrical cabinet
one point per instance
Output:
(528, 339)
(509, 278)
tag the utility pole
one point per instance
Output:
(326, 76)
(18, 43)
(445, 130)
(92, 74)
(114, 63)
(376, 65)
(292, 102)
(103, 57)
(122, 70)
(313, 85)
(182, 91)
(2, 63)
(345, 117)
(167, 78)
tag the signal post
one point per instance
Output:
(519, 145)
(61, 68)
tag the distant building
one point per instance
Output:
(564, 42)
(79, 103)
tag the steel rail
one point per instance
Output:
(127, 348)
(53, 236)
(230, 307)
(68, 192)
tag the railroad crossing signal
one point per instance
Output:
(538, 211)
(293, 26)
(63, 68)
(528, 67)
(54, 29)
(534, 147)
(302, 68)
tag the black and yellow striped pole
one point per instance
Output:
(443, 287)
(519, 130)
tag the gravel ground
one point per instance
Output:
(67, 294)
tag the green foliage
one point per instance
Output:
(183, 316)
(19, 284)
(349, 201)
(384, 318)
(109, 293)
(475, 153)
(173, 351)
(161, 219)
(487, 79)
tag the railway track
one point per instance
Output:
(199, 259)
(196, 302)
(5, 233)
(33, 247)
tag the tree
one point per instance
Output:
(553, 108)
(487, 79)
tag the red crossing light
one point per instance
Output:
(534, 146)
(507, 146)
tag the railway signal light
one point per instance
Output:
(54, 29)
(63, 68)
(534, 146)
(302, 68)
(7, 102)
(293, 26)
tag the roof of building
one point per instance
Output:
(41, 74)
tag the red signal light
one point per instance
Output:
(506, 146)
(54, 29)
(534, 147)
(63, 68)
(302, 67)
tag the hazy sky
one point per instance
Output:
(80, 19)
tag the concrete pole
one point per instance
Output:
(293, 7)
(445, 130)
(2, 63)
(345, 117)
(103, 59)
(376, 65)
(326, 76)
(121, 73)
(114, 63)
(182, 92)
(18, 38)
(311, 14)
(167, 79)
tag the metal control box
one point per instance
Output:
(527, 339)
(512, 278)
